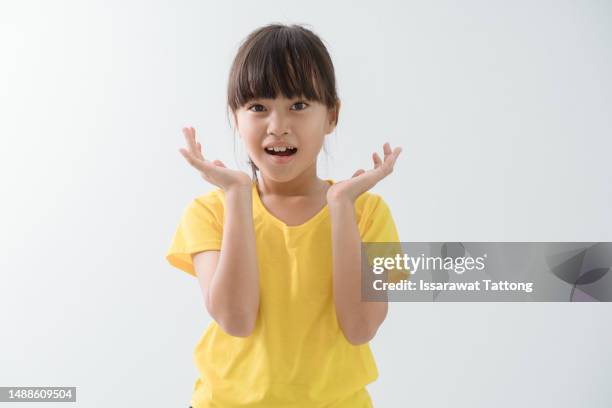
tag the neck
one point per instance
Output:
(307, 183)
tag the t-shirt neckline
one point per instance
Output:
(322, 212)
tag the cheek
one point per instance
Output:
(313, 139)
(251, 136)
(247, 125)
(253, 145)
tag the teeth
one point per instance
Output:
(279, 149)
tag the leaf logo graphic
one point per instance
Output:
(582, 267)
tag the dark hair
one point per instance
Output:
(281, 59)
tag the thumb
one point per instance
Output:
(358, 172)
(219, 163)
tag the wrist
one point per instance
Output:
(340, 203)
(241, 190)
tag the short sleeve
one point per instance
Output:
(200, 229)
(377, 224)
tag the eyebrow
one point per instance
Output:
(299, 98)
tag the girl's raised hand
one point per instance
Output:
(362, 180)
(214, 172)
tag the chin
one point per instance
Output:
(279, 177)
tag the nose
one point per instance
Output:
(278, 125)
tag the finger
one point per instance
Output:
(391, 154)
(202, 165)
(197, 145)
(187, 134)
(390, 162)
(395, 155)
(218, 163)
(194, 141)
(377, 160)
(190, 139)
(199, 150)
(387, 150)
(187, 155)
(358, 173)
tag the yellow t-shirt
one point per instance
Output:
(297, 355)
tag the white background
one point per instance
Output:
(503, 112)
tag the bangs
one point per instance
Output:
(279, 60)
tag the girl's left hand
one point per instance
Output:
(362, 180)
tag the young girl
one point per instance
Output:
(278, 256)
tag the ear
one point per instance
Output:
(332, 117)
(234, 120)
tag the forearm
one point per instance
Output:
(234, 289)
(358, 320)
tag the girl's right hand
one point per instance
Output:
(214, 172)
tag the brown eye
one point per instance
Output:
(253, 106)
(301, 103)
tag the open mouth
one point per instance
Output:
(281, 151)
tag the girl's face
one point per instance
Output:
(297, 123)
